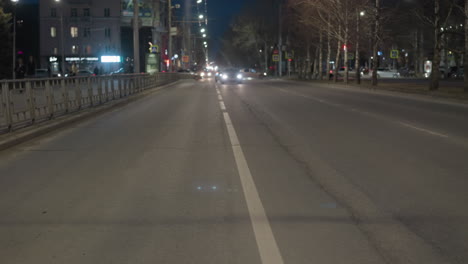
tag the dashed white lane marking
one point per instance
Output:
(223, 107)
(220, 98)
(423, 130)
(369, 114)
(266, 242)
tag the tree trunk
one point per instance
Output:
(417, 70)
(316, 74)
(338, 53)
(356, 56)
(328, 49)
(376, 42)
(320, 66)
(465, 57)
(308, 62)
(346, 62)
(435, 75)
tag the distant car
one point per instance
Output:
(41, 73)
(386, 73)
(341, 72)
(230, 75)
(82, 73)
(119, 71)
(249, 73)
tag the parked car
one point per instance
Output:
(341, 72)
(41, 73)
(386, 73)
(119, 71)
(82, 73)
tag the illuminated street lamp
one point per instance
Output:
(14, 37)
(200, 16)
(202, 30)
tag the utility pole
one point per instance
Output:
(280, 40)
(62, 37)
(14, 39)
(136, 37)
(169, 19)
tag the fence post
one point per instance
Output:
(112, 85)
(64, 85)
(106, 86)
(7, 105)
(31, 102)
(90, 90)
(100, 89)
(78, 94)
(120, 87)
(50, 99)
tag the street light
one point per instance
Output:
(14, 37)
(202, 30)
(200, 16)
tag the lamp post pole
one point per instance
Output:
(62, 40)
(169, 48)
(136, 37)
(14, 38)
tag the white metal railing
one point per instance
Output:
(28, 101)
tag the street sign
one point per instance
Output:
(394, 54)
(276, 57)
(154, 49)
(185, 59)
(173, 31)
(289, 55)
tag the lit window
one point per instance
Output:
(53, 32)
(74, 32)
(74, 49)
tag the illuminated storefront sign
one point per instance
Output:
(110, 59)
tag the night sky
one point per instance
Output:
(220, 14)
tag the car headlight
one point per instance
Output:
(224, 76)
(202, 74)
(239, 76)
(209, 74)
(265, 73)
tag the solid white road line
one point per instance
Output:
(266, 242)
(223, 107)
(423, 130)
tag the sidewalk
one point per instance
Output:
(448, 90)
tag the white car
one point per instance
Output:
(386, 73)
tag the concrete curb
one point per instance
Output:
(25, 134)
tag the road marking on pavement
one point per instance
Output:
(223, 107)
(368, 114)
(266, 242)
(423, 130)
(220, 98)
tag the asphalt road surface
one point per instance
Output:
(265, 172)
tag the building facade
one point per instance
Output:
(84, 32)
